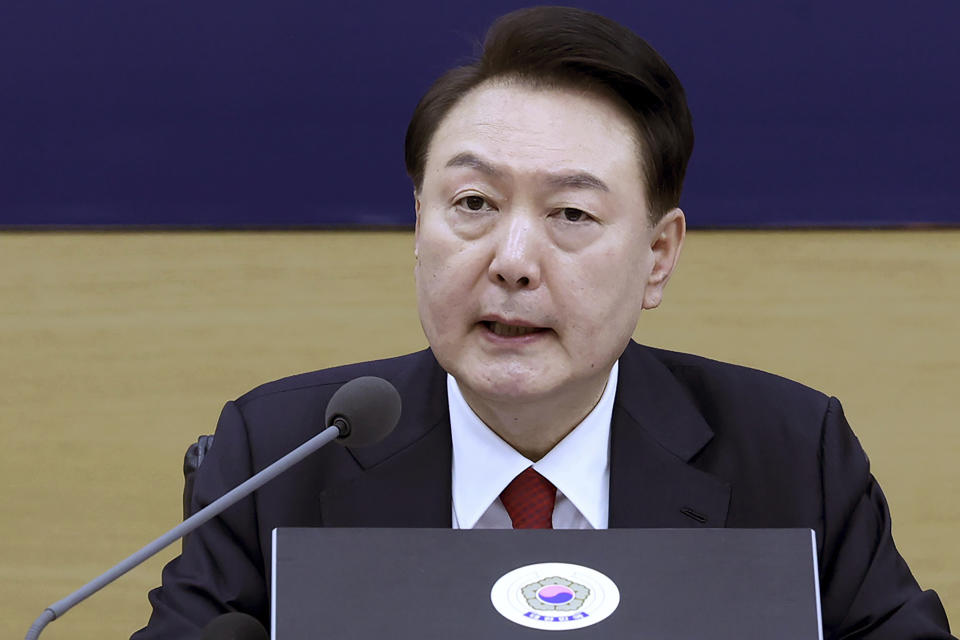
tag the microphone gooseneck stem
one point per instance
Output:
(57, 609)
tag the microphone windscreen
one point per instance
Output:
(234, 626)
(369, 405)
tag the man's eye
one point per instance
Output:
(574, 215)
(473, 203)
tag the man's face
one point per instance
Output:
(534, 251)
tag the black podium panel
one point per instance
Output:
(741, 584)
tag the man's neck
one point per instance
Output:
(533, 428)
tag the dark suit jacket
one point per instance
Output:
(694, 443)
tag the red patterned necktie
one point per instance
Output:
(529, 500)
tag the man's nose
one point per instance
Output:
(516, 262)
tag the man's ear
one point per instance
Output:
(666, 240)
(416, 226)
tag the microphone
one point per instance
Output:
(234, 626)
(364, 410)
(361, 412)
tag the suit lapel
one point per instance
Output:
(403, 481)
(655, 431)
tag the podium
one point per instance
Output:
(743, 584)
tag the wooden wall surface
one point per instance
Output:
(118, 349)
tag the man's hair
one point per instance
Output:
(566, 47)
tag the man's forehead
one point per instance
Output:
(504, 127)
(486, 104)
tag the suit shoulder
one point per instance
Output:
(388, 368)
(686, 365)
(722, 387)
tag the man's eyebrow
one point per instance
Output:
(576, 180)
(470, 161)
(580, 180)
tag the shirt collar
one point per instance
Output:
(484, 464)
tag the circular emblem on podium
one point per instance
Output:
(555, 596)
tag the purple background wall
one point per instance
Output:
(120, 112)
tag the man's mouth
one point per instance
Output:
(510, 330)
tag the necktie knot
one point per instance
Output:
(529, 500)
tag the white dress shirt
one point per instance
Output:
(483, 466)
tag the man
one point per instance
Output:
(547, 178)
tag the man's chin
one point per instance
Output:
(511, 387)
